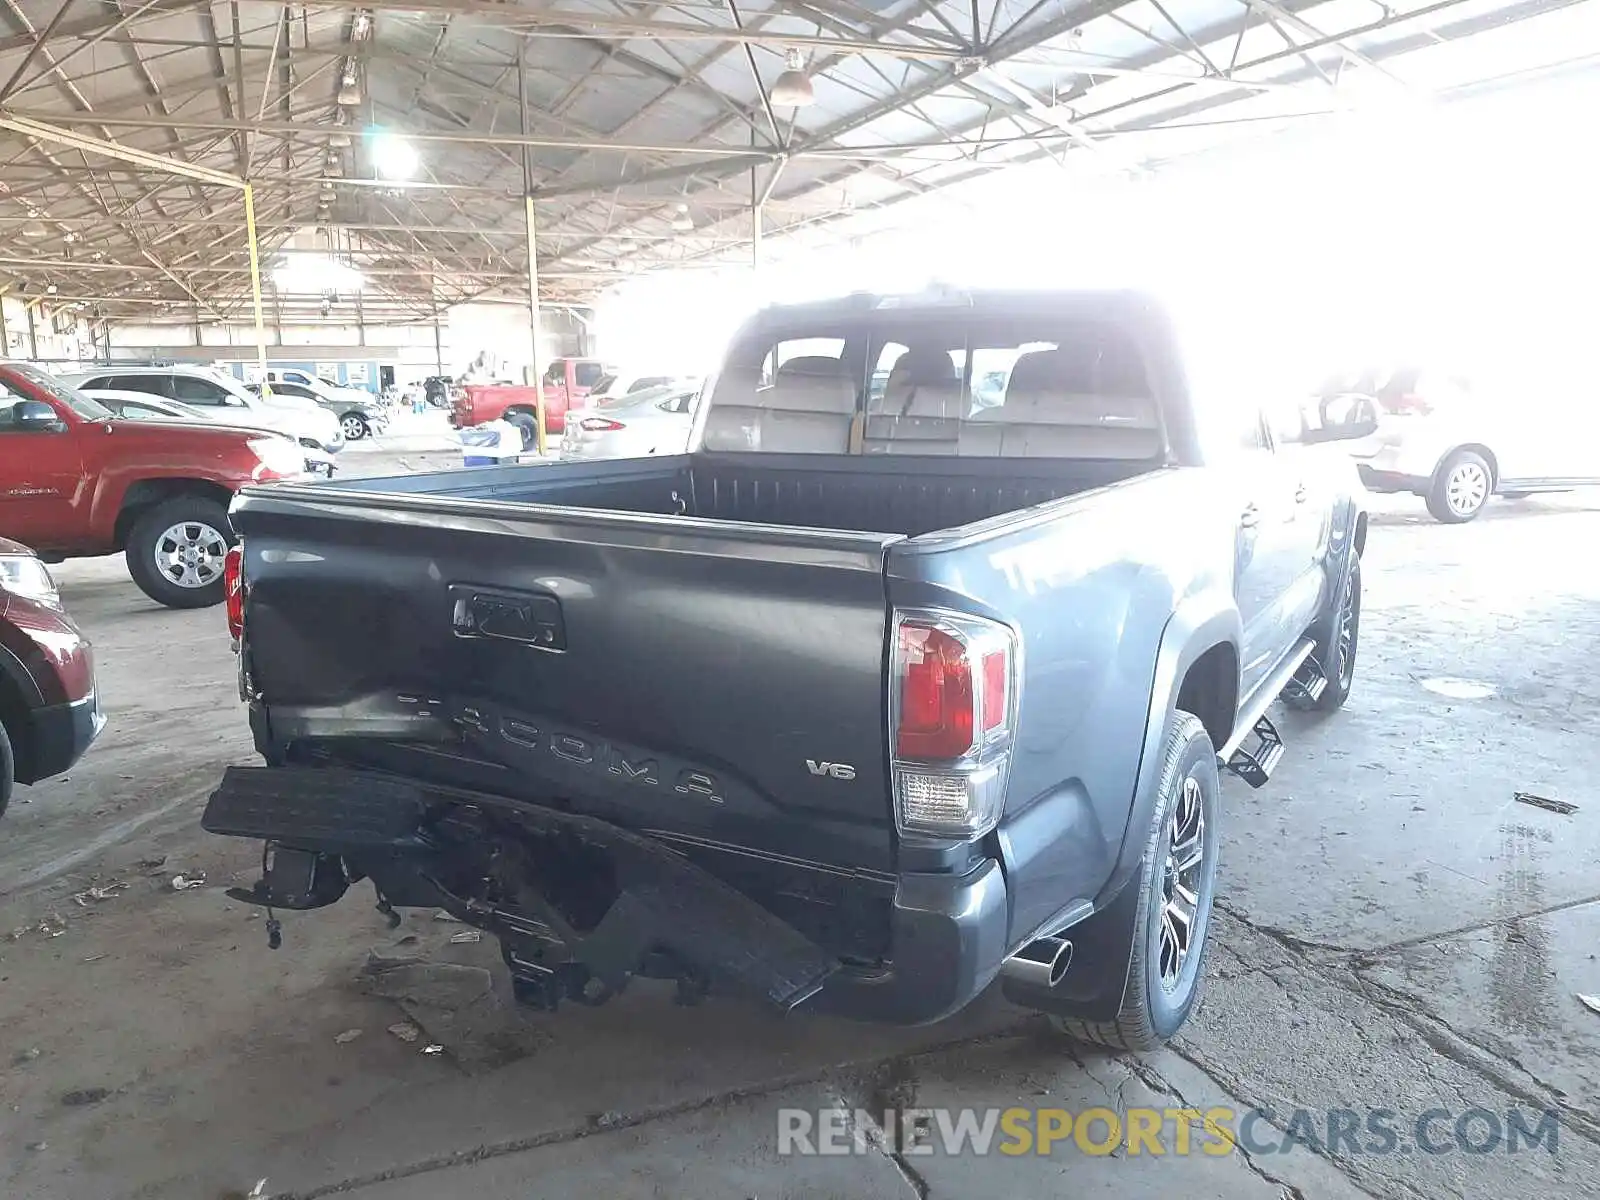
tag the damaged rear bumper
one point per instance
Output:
(329, 827)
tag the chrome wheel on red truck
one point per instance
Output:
(176, 550)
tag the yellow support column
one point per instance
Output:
(533, 323)
(255, 280)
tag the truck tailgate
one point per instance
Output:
(715, 683)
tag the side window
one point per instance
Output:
(677, 404)
(587, 374)
(153, 384)
(99, 381)
(194, 390)
(556, 372)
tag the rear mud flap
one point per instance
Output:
(665, 907)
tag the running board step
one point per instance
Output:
(1308, 684)
(1255, 761)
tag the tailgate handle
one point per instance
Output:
(532, 619)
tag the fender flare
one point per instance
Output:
(1103, 941)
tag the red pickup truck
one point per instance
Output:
(77, 481)
(567, 383)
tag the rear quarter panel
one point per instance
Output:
(1091, 584)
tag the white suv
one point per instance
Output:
(302, 419)
(1456, 441)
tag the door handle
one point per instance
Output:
(1250, 517)
(1300, 494)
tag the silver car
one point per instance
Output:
(653, 421)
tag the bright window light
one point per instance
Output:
(393, 157)
(315, 273)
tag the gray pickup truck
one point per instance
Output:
(883, 692)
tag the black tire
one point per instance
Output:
(1461, 487)
(527, 426)
(1336, 657)
(196, 512)
(8, 770)
(1153, 1009)
(354, 426)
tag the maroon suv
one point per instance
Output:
(48, 709)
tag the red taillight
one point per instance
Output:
(233, 590)
(936, 707)
(954, 707)
(955, 686)
(996, 682)
(599, 424)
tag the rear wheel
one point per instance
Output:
(176, 549)
(1177, 880)
(527, 426)
(1461, 487)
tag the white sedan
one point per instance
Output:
(653, 421)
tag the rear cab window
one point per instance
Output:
(941, 380)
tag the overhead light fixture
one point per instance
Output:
(360, 25)
(683, 222)
(393, 157)
(50, 290)
(793, 88)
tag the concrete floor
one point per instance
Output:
(1396, 933)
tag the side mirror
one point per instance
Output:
(35, 416)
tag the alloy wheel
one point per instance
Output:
(1181, 880)
(190, 554)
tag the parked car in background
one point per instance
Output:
(318, 385)
(566, 385)
(654, 420)
(615, 387)
(142, 406)
(436, 390)
(49, 711)
(1456, 440)
(854, 709)
(358, 418)
(77, 481)
(201, 387)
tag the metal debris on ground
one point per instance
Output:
(441, 915)
(27, 1056)
(1560, 807)
(52, 925)
(38, 1145)
(433, 1048)
(150, 865)
(405, 1031)
(1592, 1003)
(97, 894)
(349, 1035)
(260, 1189)
(93, 958)
(466, 937)
(183, 883)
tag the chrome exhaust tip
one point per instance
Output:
(1042, 963)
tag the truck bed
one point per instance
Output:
(856, 494)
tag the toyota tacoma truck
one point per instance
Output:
(76, 480)
(874, 697)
